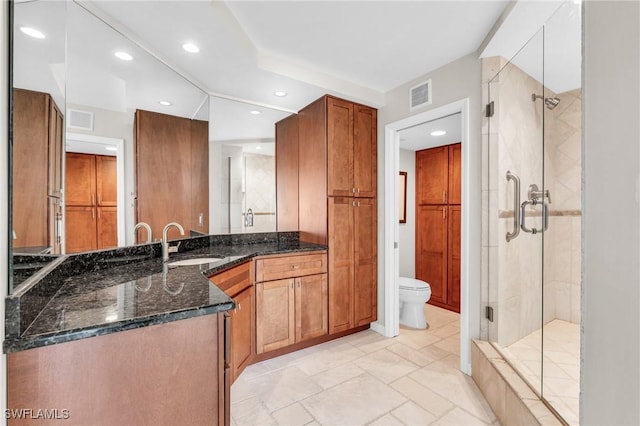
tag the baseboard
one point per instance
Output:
(379, 328)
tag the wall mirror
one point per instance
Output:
(79, 87)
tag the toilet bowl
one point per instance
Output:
(413, 295)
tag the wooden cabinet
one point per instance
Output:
(237, 283)
(287, 174)
(166, 374)
(171, 172)
(337, 197)
(37, 150)
(291, 306)
(351, 149)
(352, 262)
(438, 177)
(91, 202)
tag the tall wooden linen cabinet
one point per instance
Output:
(337, 162)
(438, 174)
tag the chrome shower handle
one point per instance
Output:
(516, 206)
(545, 216)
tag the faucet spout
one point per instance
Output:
(146, 226)
(166, 249)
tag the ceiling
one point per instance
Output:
(419, 137)
(358, 50)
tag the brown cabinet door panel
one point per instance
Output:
(199, 203)
(365, 151)
(287, 174)
(432, 166)
(107, 227)
(80, 232)
(339, 147)
(453, 284)
(275, 315)
(80, 182)
(163, 171)
(455, 173)
(365, 260)
(341, 264)
(242, 331)
(431, 249)
(106, 178)
(311, 307)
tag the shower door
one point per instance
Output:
(517, 204)
(534, 210)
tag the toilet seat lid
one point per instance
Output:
(413, 284)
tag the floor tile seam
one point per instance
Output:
(407, 359)
(293, 403)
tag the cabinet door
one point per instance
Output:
(107, 227)
(242, 331)
(365, 148)
(453, 284)
(200, 176)
(365, 260)
(80, 233)
(275, 315)
(80, 180)
(341, 257)
(29, 166)
(432, 174)
(311, 307)
(455, 173)
(163, 171)
(339, 147)
(106, 181)
(56, 151)
(287, 174)
(431, 250)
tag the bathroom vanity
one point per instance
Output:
(121, 337)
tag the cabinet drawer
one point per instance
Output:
(276, 268)
(234, 280)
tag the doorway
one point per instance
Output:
(89, 144)
(470, 239)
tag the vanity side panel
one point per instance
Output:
(161, 374)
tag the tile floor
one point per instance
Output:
(561, 365)
(366, 379)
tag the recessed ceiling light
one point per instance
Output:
(32, 32)
(256, 112)
(191, 48)
(111, 317)
(124, 56)
(258, 147)
(111, 148)
(438, 133)
(165, 103)
(280, 94)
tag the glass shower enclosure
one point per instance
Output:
(534, 210)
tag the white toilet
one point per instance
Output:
(413, 295)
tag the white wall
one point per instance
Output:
(4, 198)
(610, 371)
(453, 82)
(408, 230)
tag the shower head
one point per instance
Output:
(550, 103)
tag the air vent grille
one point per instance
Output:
(420, 95)
(77, 119)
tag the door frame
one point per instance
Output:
(391, 326)
(119, 143)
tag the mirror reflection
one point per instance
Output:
(123, 140)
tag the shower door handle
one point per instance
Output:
(545, 216)
(516, 206)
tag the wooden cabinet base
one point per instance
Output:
(165, 374)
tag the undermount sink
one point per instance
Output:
(196, 261)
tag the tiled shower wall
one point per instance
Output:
(260, 197)
(515, 143)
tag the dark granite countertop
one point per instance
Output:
(128, 290)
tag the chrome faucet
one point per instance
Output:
(165, 244)
(144, 225)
